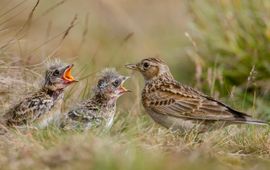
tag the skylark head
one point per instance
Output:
(58, 76)
(111, 83)
(150, 68)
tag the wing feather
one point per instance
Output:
(29, 109)
(185, 102)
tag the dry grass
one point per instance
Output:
(97, 34)
(135, 143)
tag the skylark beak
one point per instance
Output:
(67, 74)
(131, 66)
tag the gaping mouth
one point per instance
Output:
(122, 88)
(67, 75)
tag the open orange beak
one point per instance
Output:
(67, 75)
(122, 88)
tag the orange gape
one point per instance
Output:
(67, 75)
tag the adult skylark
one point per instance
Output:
(177, 106)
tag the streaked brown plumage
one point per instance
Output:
(101, 107)
(41, 107)
(177, 106)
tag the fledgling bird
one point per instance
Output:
(180, 107)
(100, 109)
(43, 106)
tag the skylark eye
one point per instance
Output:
(145, 65)
(56, 73)
(101, 83)
(116, 83)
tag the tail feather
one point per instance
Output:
(251, 121)
(240, 117)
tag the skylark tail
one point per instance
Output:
(252, 121)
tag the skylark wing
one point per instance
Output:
(28, 110)
(180, 101)
(84, 112)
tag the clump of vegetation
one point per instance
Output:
(232, 39)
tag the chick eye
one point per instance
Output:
(56, 73)
(145, 65)
(116, 83)
(101, 83)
